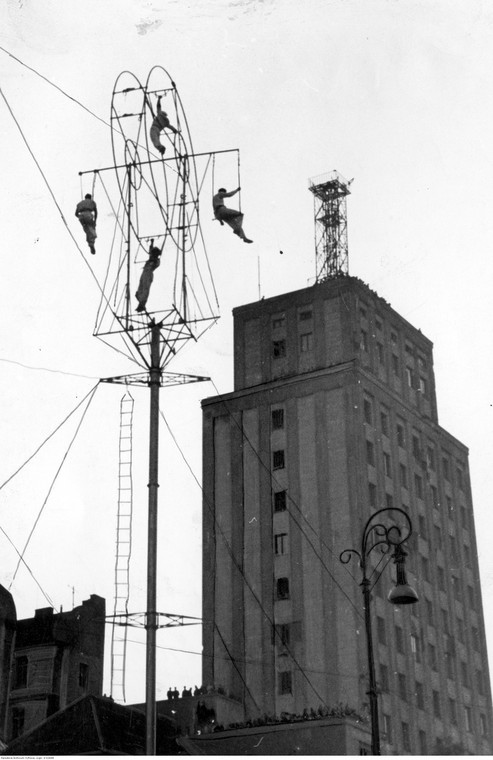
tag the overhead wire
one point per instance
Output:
(48, 438)
(45, 179)
(90, 396)
(48, 599)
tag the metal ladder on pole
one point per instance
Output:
(123, 551)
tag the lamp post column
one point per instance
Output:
(372, 681)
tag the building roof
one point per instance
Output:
(95, 725)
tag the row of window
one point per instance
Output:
(423, 748)
(425, 456)
(21, 673)
(305, 344)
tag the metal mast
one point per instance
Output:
(331, 246)
(158, 207)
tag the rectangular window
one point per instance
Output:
(401, 680)
(281, 543)
(403, 475)
(450, 507)
(280, 501)
(83, 675)
(278, 459)
(423, 385)
(278, 322)
(423, 746)
(468, 718)
(387, 466)
(415, 647)
(445, 622)
(21, 664)
(420, 699)
(282, 588)
(387, 727)
(445, 468)
(409, 377)
(430, 458)
(483, 723)
(437, 536)
(401, 435)
(278, 349)
(432, 656)
(395, 365)
(441, 578)
(305, 315)
(434, 497)
(436, 704)
(422, 526)
(471, 597)
(370, 453)
(418, 486)
(17, 721)
(425, 568)
(364, 340)
(449, 665)
(372, 494)
(380, 353)
(286, 682)
(460, 479)
(416, 448)
(384, 423)
(460, 630)
(467, 555)
(406, 739)
(389, 500)
(277, 417)
(282, 634)
(367, 411)
(464, 672)
(452, 709)
(306, 342)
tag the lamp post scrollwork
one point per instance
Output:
(377, 534)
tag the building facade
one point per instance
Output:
(58, 657)
(334, 416)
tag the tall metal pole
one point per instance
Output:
(372, 681)
(379, 534)
(151, 614)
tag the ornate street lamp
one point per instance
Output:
(388, 538)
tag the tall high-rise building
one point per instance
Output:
(334, 416)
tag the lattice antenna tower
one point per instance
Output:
(331, 245)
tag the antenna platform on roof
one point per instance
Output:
(331, 246)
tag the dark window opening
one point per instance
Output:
(278, 459)
(278, 349)
(282, 587)
(277, 419)
(83, 675)
(286, 682)
(280, 501)
(21, 664)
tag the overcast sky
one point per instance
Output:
(395, 93)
